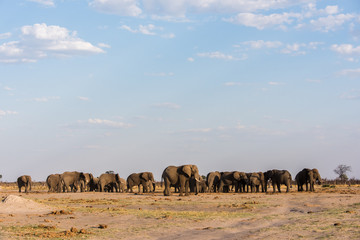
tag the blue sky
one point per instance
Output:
(137, 85)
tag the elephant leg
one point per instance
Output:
(221, 187)
(287, 187)
(139, 188)
(187, 188)
(19, 189)
(279, 187)
(167, 187)
(182, 188)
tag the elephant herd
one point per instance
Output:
(106, 182)
(245, 182)
(184, 179)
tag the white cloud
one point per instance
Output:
(40, 41)
(6, 112)
(168, 35)
(300, 48)
(331, 22)
(180, 8)
(108, 123)
(149, 29)
(346, 49)
(8, 88)
(45, 99)
(160, 74)
(230, 84)
(332, 9)
(261, 22)
(259, 44)
(118, 7)
(83, 98)
(47, 3)
(5, 35)
(167, 105)
(352, 95)
(294, 49)
(198, 130)
(190, 59)
(219, 55)
(350, 72)
(274, 83)
(104, 45)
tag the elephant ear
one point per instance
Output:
(187, 170)
(144, 176)
(117, 177)
(236, 175)
(151, 177)
(82, 176)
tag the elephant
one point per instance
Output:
(278, 177)
(86, 182)
(122, 185)
(262, 182)
(53, 181)
(94, 184)
(198, 186)
(72, 180)
(213, 181)
(235, 178)
(109, 180)
(179, 175)
(255, 182)
(137, 179)
(24, 181)
(306, 176)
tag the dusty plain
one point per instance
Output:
(332, 212)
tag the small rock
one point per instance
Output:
(102, 226)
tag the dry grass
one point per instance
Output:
(329, 213)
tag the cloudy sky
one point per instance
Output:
(137, 85)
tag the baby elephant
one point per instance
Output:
(24, 181)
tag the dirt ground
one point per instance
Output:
(332, 212)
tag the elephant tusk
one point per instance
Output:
(197, 180)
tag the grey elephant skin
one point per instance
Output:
(198, 186)
(235, 178)
(86, 182)
(123, 185)
(144, 179)
(71, 181)
(307, 176)
(24, 181)
(94, 184)
(255, 182)
(213, 181)
(278, 177)
(179, 176)
(53, 182)
(109, 181)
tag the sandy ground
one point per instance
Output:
(329, 213)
